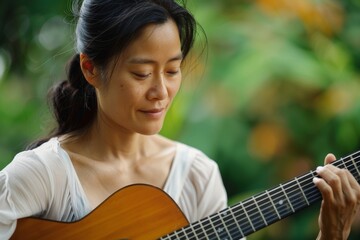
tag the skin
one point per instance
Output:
(122, 147)
(341, 200)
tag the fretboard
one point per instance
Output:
(263, 209)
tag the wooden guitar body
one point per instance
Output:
(134, 212)
(145, 212)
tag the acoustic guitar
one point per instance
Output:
(145, 212)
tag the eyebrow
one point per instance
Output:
(139, 60)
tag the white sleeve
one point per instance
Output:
(202, 192)
(206, 182)
(210, 189)
(24, 190)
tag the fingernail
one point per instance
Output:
(316, 180)
(319, 169)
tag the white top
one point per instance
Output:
(43, 182)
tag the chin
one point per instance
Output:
(150, 131)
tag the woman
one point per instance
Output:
(120, 85)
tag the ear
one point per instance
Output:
(89, 70)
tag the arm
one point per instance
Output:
(341, 201)
(23, 191)
(214, 197)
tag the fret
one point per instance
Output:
(310, 190)
(189, 232)
(243, 219)
(166, 237)
(179, 234)
(224, 224)
(253, 213)
(236, 222)
(294, 195)
(220, 227)
(198, 230)
(341, 160)
(337, 163)
(203, 230)
(272, 203)
(172, 237)
(356, 167)
(209, 228)
(257, 206)
(214, 227)
(280, 202)
(247, 217)
(352, 166)
(348, 164)
(169, 237)
(282, 188)
(231, 224)
(306, 183)
(302, 191)
(263, 209)
(267, 208)
(175, 236)
(182, 234)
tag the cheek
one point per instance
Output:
(118, 95)
(174, 87)
(132, 96)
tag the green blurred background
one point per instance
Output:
(276, 89)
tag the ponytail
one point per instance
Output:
(73, 102)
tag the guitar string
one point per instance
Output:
(231, 230)
(253, 219)
(295, 203)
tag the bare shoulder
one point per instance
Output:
(67, 142)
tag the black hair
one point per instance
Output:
(104, 29)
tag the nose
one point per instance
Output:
(158, 89)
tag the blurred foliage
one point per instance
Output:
(277, 89)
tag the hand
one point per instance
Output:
(341, 200)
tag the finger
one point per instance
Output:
(346, 187)
(324, 188)
(331, 175)
(343, 185)
(353, 187)
(353, 182)
(329, 158)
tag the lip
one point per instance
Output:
(154, 112)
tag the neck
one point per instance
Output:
(118, 142)
(106, 142)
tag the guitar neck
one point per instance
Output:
(263, 209)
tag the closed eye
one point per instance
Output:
(141, 75)
(172, 73)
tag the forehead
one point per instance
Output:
(155, 41)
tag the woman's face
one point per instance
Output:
(145, 79)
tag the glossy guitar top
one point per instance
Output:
(134, 212)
